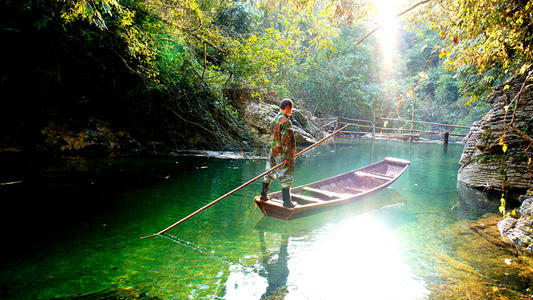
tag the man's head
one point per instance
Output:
(286, 106)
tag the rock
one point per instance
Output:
(112, 294)
(259, 116)
(473, 203)
(526, 207)
(506, 224)
(519, 231)
(96, 137)
(483, 156)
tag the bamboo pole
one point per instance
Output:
(357, 132)
(241, 186)
(400, 129)
(373, 130)
(428, 123)
(329, 123)
(412, 120)
(373, 122)
(356, 120)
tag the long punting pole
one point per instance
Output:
(240, 187)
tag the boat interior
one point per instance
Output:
(346, 185)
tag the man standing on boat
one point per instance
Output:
(283, 149)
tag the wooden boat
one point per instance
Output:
(335, 191)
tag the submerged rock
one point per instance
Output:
(518, 229)
(483, 155)
(114, 294)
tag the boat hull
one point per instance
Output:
(336, 191)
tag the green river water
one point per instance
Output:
(73, 229)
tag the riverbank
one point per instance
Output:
(497, 270)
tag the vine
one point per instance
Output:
(507, 128)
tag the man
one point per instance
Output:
(283, 149)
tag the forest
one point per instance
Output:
(172, 73)
(122, 117)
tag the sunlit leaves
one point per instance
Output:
(483, 34)
(502, 204)
(91, 10)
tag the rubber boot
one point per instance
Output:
(264, 193)
(287, 201)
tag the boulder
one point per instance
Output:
(259, 116)
(518, 229)
(483, 156)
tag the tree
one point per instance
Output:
(485, 40)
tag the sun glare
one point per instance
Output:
(387, 35)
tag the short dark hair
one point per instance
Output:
(285, 102)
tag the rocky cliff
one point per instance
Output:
(485, 160)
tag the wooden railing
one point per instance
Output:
(380, 124)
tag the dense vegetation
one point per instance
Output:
(175, 72)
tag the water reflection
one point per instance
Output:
(275, 268)
(472, 203)
(346, 253)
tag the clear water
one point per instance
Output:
(74, 229)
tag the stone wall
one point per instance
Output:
(483, 157)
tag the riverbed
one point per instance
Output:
(73, 227)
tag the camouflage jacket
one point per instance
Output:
(282, 142)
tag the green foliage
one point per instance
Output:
(183, 56)
(438, 93)
(489, 157)
(340, 82)
(486, 41)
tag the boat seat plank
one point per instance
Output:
(275, 200)
(352, 189)
(367, 174)
(307, 198)
(379, 174)
(397, 161)
(326, 193)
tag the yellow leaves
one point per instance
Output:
(506, 108)
(443, 53)
(502, 204)
(524, 68)
(501, 142)
(410, 92)
(401, 101)
(252, 39)
(506, 87)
